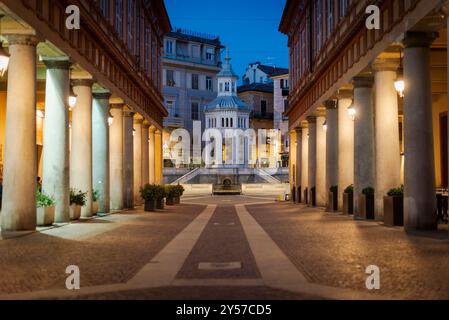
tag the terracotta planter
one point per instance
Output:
(150, 205)
(95, 208)
(394, 211)
(177, 200)
(75, 212)
(348, 203)
(332, 201)
(366, 206)
(160, 204)
(170, 201)
(45, 216)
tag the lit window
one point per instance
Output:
(209, 54)
(209, 84)
(169, 47)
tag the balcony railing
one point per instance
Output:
(185, 58)
(262, 115)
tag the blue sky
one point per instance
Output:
(248, 27)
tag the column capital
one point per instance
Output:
(311, 119)
(385, 65)
(128, 114)
(363, 82)
(63, 63)
(105, 95)
(158, 132)
(146, 124)
(298, 130)
(152, 128)
(344, 94)
(419, 39)
(22, 39)
(138, 121)
(330, 104)
(87, 83)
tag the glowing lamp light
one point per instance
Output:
(72, 99)
(4, 60)
(134, 132)
(325, 125)
(40, 114)
(399, 84)
(351, 112)
(110, 119)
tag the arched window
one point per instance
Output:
(232, 123)
(222, 122)
(227, 122)
(227, 86)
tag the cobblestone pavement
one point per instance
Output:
(324, 255)
(334, 250)
(112, 255)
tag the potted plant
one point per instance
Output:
(394, 207)
(348, 200)
(180, 192)
(172, 193)
(306, 196)
(332, 200)
(366, 203)
(95, 198)
(160, 196)
(149, 196)
(77, 200)
(45, 209)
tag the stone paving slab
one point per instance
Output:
(38, 261)
(222, 241)
(334, 250)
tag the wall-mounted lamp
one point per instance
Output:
(110, 119)
(351, 111)
(399, 84)
(325, 125)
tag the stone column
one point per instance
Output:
(100, 150)
(19, 167)
(331, 145)
(364, 158)
(145, 153)
(81, 146)
(158, 156)
(312, 159)
(419, 174)
(151, 154)
(298, 172)
(305, 164)
(56, 157)
(116, 157)
(386, 132)
(321, 190)
(128, 159)
(345, 145)
(137, 168)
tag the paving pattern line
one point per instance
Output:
(218, 283)
(164, 267)
(279, 272)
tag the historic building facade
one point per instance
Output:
(368, 107)
(80, 108)
(190, 66)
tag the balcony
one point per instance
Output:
(262, 115)
(173, 122)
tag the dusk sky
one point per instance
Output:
(248, 27)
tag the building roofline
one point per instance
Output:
(284, 24)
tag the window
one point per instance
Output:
(343, 7)
(169, 47)
(227, 122)
(195, 111)
(221, 87)
(170, 78)
(195, 82)
(330, 17)
(209, 86)
(318, 29)
(210, 54)
(104, 7)
(263, 108)
(222, 122)
(170, 104)
(232, 123)
(196, 52)
(119, 17)
(233, 86)
(130, 25)
(148, 50)
(227, 87)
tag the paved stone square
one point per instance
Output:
(274, 250)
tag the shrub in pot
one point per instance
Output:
(77, 200)
(149, 195)
(181, 190)
(161, 194)
(332, 201)
(95, 198)
(172, 193)
(394, 207)
(366, 203)
(45, 209)
(348, 200)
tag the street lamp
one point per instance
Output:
(110, 119)
(325, 125)
(399, 84)
(4, 56)
(72, 98)
(351, 111)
